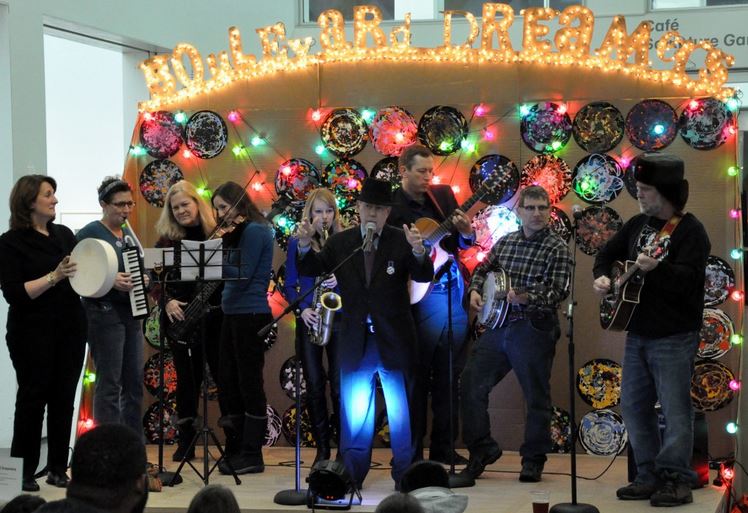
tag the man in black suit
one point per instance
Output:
(378, 332)
(418, 198)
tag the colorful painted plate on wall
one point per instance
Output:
(288, 427)
(651, 125)
(602, 433)
(207, 134)
(383, 428)
(387, 169)
(599, 383)
(296, 178)
(597, 179)
(551, 173)
(706, 124)
(560, 431)
(161, 135)
(273, 431)
(391, 130)
(344, 177)
(169, 426)
(546, 128)
(491, 223)
(152, 375)
(442, 129)
(506, 171)
(155, 180)
(560, 223)
(596, 226)
(598, 127)
(285, 218)
(344, 132)
(270, 338)
(151, 329)
(349, 216)
(710, 386)
(287, 379)
(719, 281)
(714, 337)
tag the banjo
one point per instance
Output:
(495, 306)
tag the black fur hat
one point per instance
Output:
(665, 173)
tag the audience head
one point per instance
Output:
(24, 503)
(422, 474)
(108, 469)
(23, 200)
(214, 499)
(399, 503)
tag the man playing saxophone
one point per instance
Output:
(322, 212)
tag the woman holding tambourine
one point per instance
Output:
(46, 330)
(187, 216)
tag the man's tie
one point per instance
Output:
(369, 259)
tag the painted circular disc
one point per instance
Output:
(287, 379)
(544, 129)
(714, 337)
(273, 430)
(344, 177)
(629, 180)
(391, 130)
(719, 281)
(349, 216)
(152, 374)
(442, 129)
(710, 386)
(270, 338)
(706, 124)
(491, 223)
(344, 132)
(152, 330)
(206, 134)
(288, 427)
(279, 279)
(169, 426)
(551, 173)
(561, 431)
(383, 429)
(285, 222)
(506, 178)
(387, 170)
(599, 383)
(597, 179)
(598, 127)
(596, 226)
(602, 433)
(161, 135)
(296, 178)
(651, 125)
(560, 223)
(155, 180)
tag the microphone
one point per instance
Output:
(371, 229)
(576, 212)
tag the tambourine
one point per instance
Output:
(97, 267)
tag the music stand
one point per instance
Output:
(200, 263)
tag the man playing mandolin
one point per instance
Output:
(537, 264)
(663, 331)
(419, 200)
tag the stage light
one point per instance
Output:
(329, 480)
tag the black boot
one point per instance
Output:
(233, 427)
(321, 433)
(186, 428)
(249, 460)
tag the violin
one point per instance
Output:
(222, 230)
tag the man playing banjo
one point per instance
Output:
(537, 265)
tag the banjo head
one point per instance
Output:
(96, 267)
(494, 308)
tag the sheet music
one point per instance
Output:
(213, 265)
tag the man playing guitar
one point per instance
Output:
(417, 199)
(663, 333)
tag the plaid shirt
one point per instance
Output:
(541, 265)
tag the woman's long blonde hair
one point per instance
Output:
(326, 196)
(167, 225)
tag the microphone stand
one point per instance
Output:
(298, 496)
(450, 367)
(573, 506)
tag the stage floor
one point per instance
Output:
(497, 491)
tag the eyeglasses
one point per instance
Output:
(123, 204)
(538, 208)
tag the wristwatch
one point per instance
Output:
(51, 278)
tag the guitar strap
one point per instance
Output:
(438, 207)
(669, 228)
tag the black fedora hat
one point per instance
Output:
(376, 192)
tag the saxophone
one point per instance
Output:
(326, 302)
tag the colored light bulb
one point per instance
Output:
(737, 295)
(257, 186)
(286, 170)
(319, 149)
(399, 137)
(556, 145)
(257, 141)
(736, 254)
(137, 150)
(480, 110)
(734, 385)
(237, 149)
(234, 116)
(659, 129)
(732, 171)
(734, 213)
(562, 109)
(436, 180)
(180, 117)
(445, 146)
(368, 115)
(693, 104)
(316, 115)
(736, 339)
(186, 154)
(456, 189)
(731, 427)
(480, 256)
(524, 110)
(489, 134)
(732, 104)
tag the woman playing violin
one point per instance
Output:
(246, 311)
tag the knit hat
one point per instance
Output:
(665, 173)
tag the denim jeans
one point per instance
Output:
(659, 369)
(116, 341)
(528, 350)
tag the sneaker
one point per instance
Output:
(532, 472)
(672, 493)
(443, 457)
(475, 467)
(636, 491)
